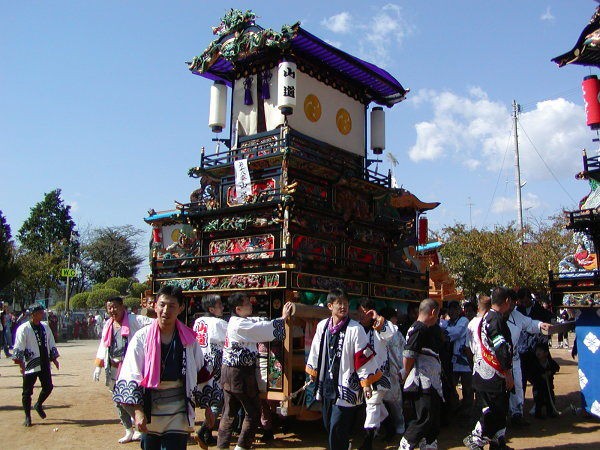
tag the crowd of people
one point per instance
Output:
(400, 378)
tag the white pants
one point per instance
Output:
(376, 411)
(515, 401)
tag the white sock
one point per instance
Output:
(128, 436)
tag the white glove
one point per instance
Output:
(96, 375)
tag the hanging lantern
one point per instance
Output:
(591, 89)
(218, 106)
(422, 237)
(286, 87)
(377, 130)
(156, 235)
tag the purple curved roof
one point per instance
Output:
(379, 85)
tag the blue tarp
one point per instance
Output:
(587, 329)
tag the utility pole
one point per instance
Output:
(516, 111)
(68, 267)
(470, 204)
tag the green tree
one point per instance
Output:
(131, 302)
(48, 231)
(483, 259)
(118, 283)
(8, 269)
(463, 256)
(59, 306)
(113, 252)
(38, 273)
(97, 299)
(48, 226)
(79, 301)
(138, 289)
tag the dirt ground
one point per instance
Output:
(81, 414)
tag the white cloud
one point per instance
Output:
(338, 23)
(509, 204)
(547, 15)
(336, 44)
(477, 132)
(74, 205)
(377, 32)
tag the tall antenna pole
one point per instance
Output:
(516, 110)
(470, 215)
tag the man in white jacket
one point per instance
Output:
(519, 323)
(342, 364)
(117, 332)
(159, 375)
(34, 349)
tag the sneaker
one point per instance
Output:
(27, 422)
(471, 443)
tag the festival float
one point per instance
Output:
(288, 206)
(576, 284)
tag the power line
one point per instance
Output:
(499, 175)
(545, 164)
(566, 93)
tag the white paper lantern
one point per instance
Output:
(218, 106)
(286, 87)
(377, 130)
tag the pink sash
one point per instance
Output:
(107, 333)
(152, 352)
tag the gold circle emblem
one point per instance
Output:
(343, 121)
(312, 107)
(175, 234)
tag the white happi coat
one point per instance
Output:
(395, 347)
(358, 367)
(243, 335)
(211, 332)
(27, 350)
(379, 340)
(136, 323)
(517, 323)
(128, 389)
(472, 334)
(457, 334)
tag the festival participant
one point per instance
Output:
(492, 374)
(528, 306)
(238, 373)
(33, 350)
(211, 331)
(117, 332)
(518, 325)
(379, 332)
(393, 398)
(342, 364)
(422, 378)
(543, 384)
(159, 375)
(484, 303)
(456, 330)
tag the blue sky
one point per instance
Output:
(95, 99)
